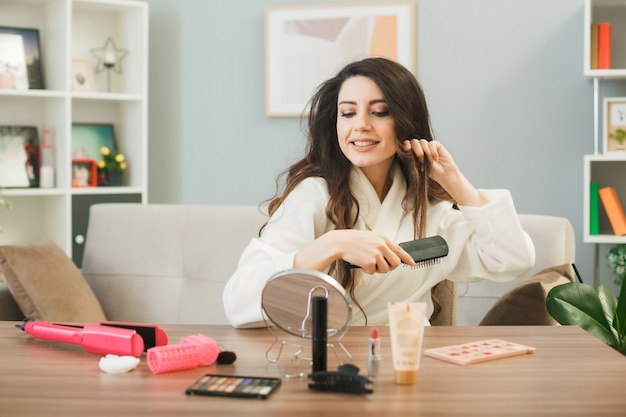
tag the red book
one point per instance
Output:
(613, 209)
(604, 45)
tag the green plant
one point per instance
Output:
(111, 161)
(597, 311)
(616, 260)
(620, 135)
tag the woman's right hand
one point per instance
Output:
(371, 251)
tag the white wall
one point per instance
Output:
(503, 79)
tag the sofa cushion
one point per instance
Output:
(525, 304)
(46, 284)
(9, 310)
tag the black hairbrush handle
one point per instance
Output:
(423, 251)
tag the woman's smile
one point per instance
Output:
(363, 143)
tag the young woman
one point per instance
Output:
(372, 177)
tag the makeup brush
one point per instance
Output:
(226, 357)
(425, 252)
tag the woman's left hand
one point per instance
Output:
(444, 170)
(442, 166)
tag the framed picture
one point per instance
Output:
(20, 59)
(88, 138)
(19, 156)
(305, 45)
(82, 76)
(84, 173)
(615, 125)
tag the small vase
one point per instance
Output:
(7, 80)
(114, 179)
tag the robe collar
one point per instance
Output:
(383, 217)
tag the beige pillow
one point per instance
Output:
(525, 304)
(47, 285)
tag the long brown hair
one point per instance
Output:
(407, 106)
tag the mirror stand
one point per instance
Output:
(296, 369)
(286, 309)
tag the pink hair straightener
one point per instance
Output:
(116, 338)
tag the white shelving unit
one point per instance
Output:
(605, 169)
(69, 29)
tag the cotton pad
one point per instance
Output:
(113, 364)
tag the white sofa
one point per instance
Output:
(555, 244)
(169, 263)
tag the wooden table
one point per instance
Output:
(571, 374)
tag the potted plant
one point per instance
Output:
(597, 311)
(111, 166)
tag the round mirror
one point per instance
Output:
(287, 296)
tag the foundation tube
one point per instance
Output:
(406, 327)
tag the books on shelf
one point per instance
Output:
(613, 208)
(600, 42)
(594, 208)
(594, 46)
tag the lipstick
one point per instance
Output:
(373, 354)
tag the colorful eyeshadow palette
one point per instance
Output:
(481, 351)
(234, 386)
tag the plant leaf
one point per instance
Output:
(620, 316)
(609, 307)
(579, 304)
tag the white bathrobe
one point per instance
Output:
(485, 242)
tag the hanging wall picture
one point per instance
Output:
(305, 45)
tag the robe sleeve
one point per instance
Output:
(487, 242)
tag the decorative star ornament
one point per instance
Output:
(109, 57)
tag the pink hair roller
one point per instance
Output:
(208, 348)
(191, 352)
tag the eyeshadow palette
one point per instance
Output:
(480, 351)
(234, 386)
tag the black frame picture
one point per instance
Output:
(88, 138)
(19, 156)
(11, 62)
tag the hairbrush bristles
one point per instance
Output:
(423, 264)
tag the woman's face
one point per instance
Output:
(365, 130)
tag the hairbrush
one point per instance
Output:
(425, 252)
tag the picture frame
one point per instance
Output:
(82, 76)
(88, 138)
(615, 125)
(19, 156)
(305, 45)
(84, 173)
(20, 59)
